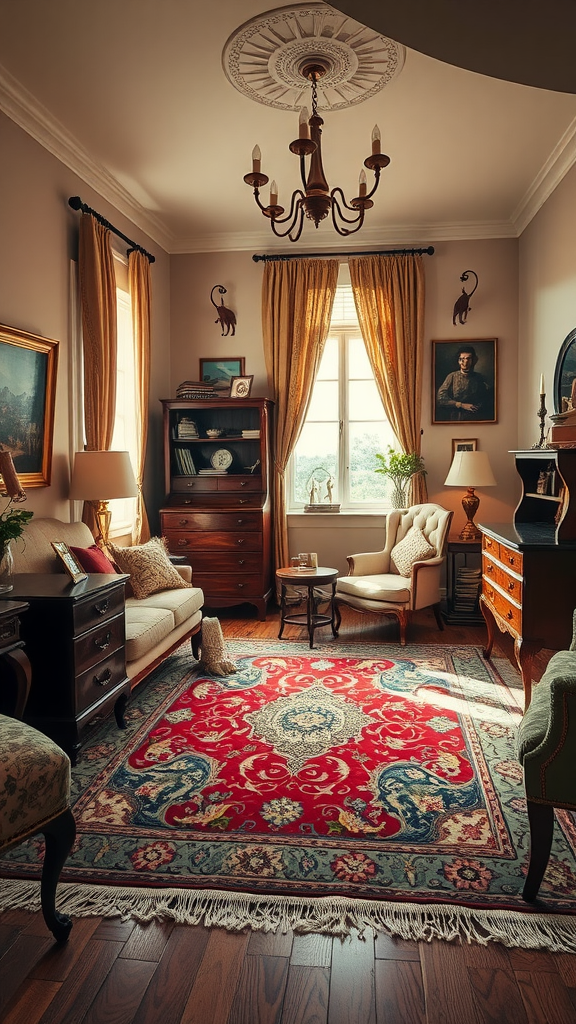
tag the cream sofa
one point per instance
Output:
(155, 626)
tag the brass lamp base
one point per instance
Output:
(470, 503)
(103, 517)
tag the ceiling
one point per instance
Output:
(134, 98)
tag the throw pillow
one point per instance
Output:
(149, 566)
(412, 548)
(93, 559)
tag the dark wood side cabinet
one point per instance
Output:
(218, 502)
(529, 565)
(74, 636)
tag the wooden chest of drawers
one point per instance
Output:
(528, 591)
(75, 640)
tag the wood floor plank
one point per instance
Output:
(494, 954)
(390, 947)
(546, 998)
(306, 997)
(71, 1003)
(260, 993)
(565, 964)
(18, 961)
(147, 941)
(399, 992)
(498, 997)
(270, 943)
(352, 987)
(213, 991)
(532, 960)
(311, 951)
(29, 1005)
(59, 960)
(8, 935)
(122, 992)
(114, 929)
(170, 986)
(447, 988)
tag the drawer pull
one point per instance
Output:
(511, 559)
(102, 607)
(489, 568)
(182, 542)
(240, 521)
(243, 483)
(186, 501)
(240, 585)
(239, 540)
(509, 614)
(104, 643)
(488, 543)
(241, 561)
(191, 483)
(8, 631)
(243, 501)
(511, 585)
(182, 522)
(104, 679)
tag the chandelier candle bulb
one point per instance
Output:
(362, 183)
(273, 194)
(376, 140)
(303, 128)
(256, 160)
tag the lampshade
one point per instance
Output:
(470, 469)
(102, 476)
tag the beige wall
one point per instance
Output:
(38, 240)
(547, 300)
(493, 315)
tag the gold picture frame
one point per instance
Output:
(71, 563)
(28, 366)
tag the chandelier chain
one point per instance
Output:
(314, 78)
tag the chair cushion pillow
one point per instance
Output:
(412, 548)
(93, 559)
(34, 781)
(387, 587)
(149, 566)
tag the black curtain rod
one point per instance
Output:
(76, 203)
(326, 255)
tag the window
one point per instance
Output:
(346, 423)
(124, 437)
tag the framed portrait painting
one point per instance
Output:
(220, 372)
(27, 395)
(464, 381)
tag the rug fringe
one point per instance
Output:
(327, 915)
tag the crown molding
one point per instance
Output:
(29, 114)
(560, 161)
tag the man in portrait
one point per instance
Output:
(465, 394)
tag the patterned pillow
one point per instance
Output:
(149, 566)
(412, 548)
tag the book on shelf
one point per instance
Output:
(184, 462)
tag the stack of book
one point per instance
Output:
(187, 429)
(194, 389)
(212, 472)
(250, 433)
(323, 507)
(467, 588)
(184, 462)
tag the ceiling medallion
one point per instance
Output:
(263, 58)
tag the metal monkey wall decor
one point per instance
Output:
(226, 318)
(462, 304)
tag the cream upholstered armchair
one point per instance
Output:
(405, 575)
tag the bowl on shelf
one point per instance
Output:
(214, 433)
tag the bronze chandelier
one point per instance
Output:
(317, 200)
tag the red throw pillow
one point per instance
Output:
(93, 559)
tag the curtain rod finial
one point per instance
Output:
(75, 202)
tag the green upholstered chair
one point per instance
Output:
(546, 747)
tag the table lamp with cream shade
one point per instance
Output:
(100, 477)
(470, 469)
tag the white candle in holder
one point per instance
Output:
(542, 388)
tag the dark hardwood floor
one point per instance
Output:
(114, 972)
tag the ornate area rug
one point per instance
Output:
(347, 786)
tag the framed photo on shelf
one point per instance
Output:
(28, 375)
(464, 444)
(464, 381)
(220, 372)
(71, 564)
(240, 387)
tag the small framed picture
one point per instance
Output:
(464, 444)
(221, 372)
(240, 387)
(71, 564)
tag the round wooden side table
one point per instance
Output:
(309, 578)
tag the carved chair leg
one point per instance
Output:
(403, 619)
(337, 618)
(541, 819)
(59, 835)
(438, 616)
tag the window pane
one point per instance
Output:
(358, 362)
(324, 404)
(364, 402)
(328, 369)
(317, 448)
(365, 440)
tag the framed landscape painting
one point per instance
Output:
(464, 381)
(27, 394)
(219, 372)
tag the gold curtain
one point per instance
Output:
(98, 307)
(297, 300)
(389, 296)
(140, 287)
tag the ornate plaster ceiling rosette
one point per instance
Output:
(263, 58)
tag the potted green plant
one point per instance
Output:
(400, 467)
(12, 523)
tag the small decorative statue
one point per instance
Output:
(226, 317)
(462, 304)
